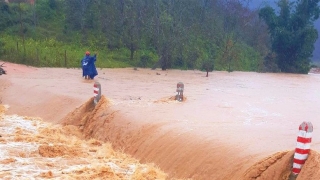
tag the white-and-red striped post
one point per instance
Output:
(96, 92)
(303, 146)
(180, 88)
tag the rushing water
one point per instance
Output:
(228, 122)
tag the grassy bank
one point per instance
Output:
(52, 53)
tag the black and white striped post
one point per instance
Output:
(96, 92)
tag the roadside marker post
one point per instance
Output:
(96, 92)
(180, 88)
(303, 147)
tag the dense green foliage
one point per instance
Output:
(184, 34)
(292, 33)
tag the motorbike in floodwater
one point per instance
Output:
(2, 71)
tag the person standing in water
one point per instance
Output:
(89, 70)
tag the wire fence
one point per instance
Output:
(41, 56)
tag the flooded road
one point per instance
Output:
(228, 122)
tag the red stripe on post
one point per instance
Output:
(302, 151)
(96, 92)
(303, 140)
(296, 170)
(298, 161)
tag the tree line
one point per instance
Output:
(185, 34)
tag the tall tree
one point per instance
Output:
(131, 25)
(6, 15)
(292, 33)
(76, 13)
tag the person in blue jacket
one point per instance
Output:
(89, 70)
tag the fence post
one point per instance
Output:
(96, 92)
(303, 147)
(37, 52)
(65, 58)
(180, 88)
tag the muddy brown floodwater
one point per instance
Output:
(239, 125)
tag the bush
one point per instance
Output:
(207, 65)
(144, 59)
(270, 64)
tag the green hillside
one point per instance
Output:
(188, 34)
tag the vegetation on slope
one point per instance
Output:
(187, 34)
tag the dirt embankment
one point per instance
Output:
(278, 167)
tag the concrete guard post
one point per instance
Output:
(303, 147)
(96, 92)
(180, 88)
